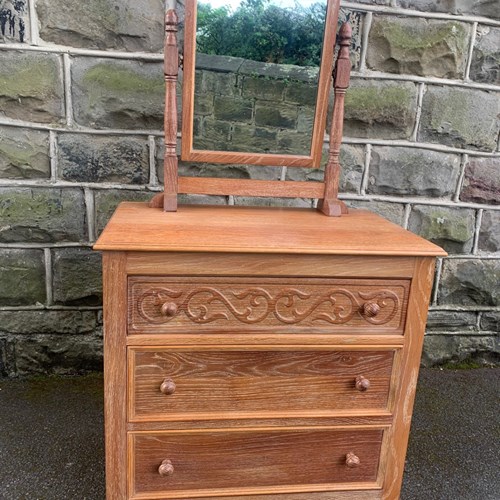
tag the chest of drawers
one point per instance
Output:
(260, 353)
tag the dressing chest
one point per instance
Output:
(259, 353)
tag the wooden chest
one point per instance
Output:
(260, 353)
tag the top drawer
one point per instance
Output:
(271, 305)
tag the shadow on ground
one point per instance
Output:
(51, 438)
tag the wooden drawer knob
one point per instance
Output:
(169, 309)
(167, 386)
(351, 460)
(166, 468)
(362, 383)
(370, 309)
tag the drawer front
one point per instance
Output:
(170, 383)
(163, 305)
(176, 464)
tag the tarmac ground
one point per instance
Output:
(51, 438)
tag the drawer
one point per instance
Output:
(174, 384)
(278, 305)
(184, 464)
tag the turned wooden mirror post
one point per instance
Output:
(326, 192)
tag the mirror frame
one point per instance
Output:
(246, 158)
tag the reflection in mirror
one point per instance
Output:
(256, 78)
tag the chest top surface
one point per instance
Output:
(197, 228)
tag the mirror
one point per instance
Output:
(257, 76)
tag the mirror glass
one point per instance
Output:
(256, 75)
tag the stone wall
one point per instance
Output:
(81, 98)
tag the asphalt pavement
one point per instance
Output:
(51, 438)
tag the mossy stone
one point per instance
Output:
(41, 215)
(460, 117)
(118, 94)
(418, 46)
(22, 274)
(380, 109)
(24, 153)
(451, 228)
(31, 87)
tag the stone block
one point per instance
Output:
(460, 117)
(106, 201)
(352, 159)
(14, 21)
(218, 63)
(391, 211)
(441, 349)
(24, 153)
(485, 65)
(277, 115)
(215, 135)
(77, 276)
(294, 142)
(489, 233)
(189, 169)
(110, 93)
(482, 181)
(57, 354)
(264, 88)
(48, 321)
(413, 171)
(254, 139)
(380, 109)
(201, 199)
(95, 158)
(490, 321)
(424, 47)
(7, 358)
(287, 72)
(31, 87)
(470, 282)
(233, 109)
(41, 215)
(305, 120)
(301, 93)
(258, 201)
(450, 228)
(451, 321)
(221, 84)
(22, 275)
(103, 24)
(486, 8)
(203, 105)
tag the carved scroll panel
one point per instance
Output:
(271, 305)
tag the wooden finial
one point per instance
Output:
(168, 199)
(330, 204)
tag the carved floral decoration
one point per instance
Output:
(207, 304)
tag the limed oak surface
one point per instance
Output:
(208, 383)
(260, 230)
(252, 459)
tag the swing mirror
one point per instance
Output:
(256, 80)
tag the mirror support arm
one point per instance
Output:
(330, 204)
(168, 199)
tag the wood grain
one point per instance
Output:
(330, 204)
(216, 264)
(250, 187)
(284, 382)
(397, 438)
(266, 304)
(230, 229)
(171, 70)
(115, 373)
(251, 459)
